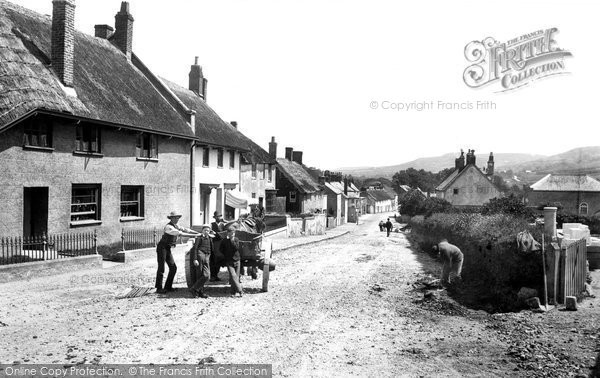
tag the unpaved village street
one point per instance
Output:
(342, 307)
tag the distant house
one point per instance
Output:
(378, 201)
(89, 137)
(217, 153)
(467, 185)
(303, 194)
(575, 194)
(258, 175)
(403, 190)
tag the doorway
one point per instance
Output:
(35, 211)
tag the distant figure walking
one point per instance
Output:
(381, 224)
(388, 227)
(452, 257)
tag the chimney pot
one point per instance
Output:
(297, 157)
(63, 39)
(103, 31)
(288, 153)
(273, 148)
(197, 82)
(123, 36)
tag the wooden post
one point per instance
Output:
(44, 246)
(545, 279)
(95, 240)
(122, 239)
(268, 248)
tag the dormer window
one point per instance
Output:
(38, 133)
(147, 146)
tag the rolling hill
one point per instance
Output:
(578, 160)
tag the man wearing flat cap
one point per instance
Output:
(217, 226)
(200, 256)
(163, 251)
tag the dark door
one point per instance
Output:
(35, 211)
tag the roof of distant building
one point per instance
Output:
(567, 183)
(298, 176)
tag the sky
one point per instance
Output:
(335, 78)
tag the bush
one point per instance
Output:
(415, 203)
(508, 205)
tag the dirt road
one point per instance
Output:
(344, 307)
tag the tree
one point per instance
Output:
(415, 203)
(421, 178)
(507, 205)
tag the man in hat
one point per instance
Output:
(230, 249)
(200, 255)
(217, 226)
(163, 251)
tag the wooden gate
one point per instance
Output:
(572, 270)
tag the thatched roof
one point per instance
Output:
(298, 176)
(109, 88)
(210, 128)
(567, 183)
(379, 195)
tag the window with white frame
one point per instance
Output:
(292, 197)
(231, 159)
(583, 208)
(85, 202)
(132, 201)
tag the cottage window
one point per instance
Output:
(292, 197)
(231, 159)
(455, 191)
(132, 201)
(270, 173)
(220, 158)
(583, 208)
(146, 146)
(205, 156)
(253, 195)
(85, 203)
(38, 133)
(87, 138)
(253, 170)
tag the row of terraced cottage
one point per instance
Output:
(91, 139)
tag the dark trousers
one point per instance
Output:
(163, 254)
(202, 272)
(233, 267)
(214, 266)
(388, 231)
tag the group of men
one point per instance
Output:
(386, 226)
(202, 256)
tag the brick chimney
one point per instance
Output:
(459, 162)
(123, 37)
(103, 31)
(490, 165)
(288, 153)
(297, 156)
(234, 124)
(273, 148)
(63, 43)
(471, 157)
(197, 82)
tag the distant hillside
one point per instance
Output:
(436, 164)
(578, 160)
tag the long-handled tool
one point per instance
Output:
(545, 279)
